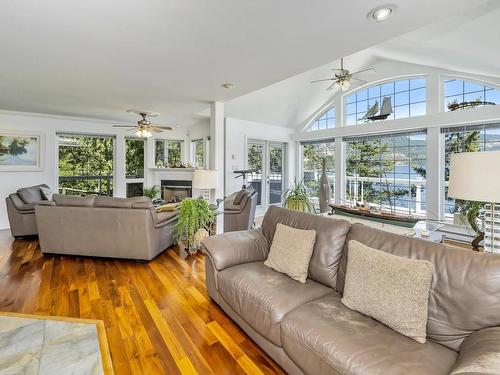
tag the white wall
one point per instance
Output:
(47, 126)
(238, 132)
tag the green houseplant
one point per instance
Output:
(151, 192)
(296, 198)
(195, 216)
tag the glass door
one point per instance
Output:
(276, 167)
(267, 162)
(255, 157)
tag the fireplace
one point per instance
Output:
(176, 190)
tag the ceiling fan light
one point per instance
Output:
(147, 134)
(139, 133)
(346, 85)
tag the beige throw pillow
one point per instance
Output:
(389, 288)
(291, 251)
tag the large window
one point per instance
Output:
(457, 91)
(467, 139)
(198, 153)
(313, 154)
(85, 164)
(388, 172)
(325, 121)
(134, 158)
(407, 99)
(168, 153)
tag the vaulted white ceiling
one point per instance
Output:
(464, 42)
(98, 58)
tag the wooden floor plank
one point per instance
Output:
(157, 316)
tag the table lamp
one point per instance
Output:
(475, 176)
(206, 181)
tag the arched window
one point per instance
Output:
(324, 121)
(387, 101)
(460, 93)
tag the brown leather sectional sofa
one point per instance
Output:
(307, 330)
(104, 227)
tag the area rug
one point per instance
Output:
(46, 345)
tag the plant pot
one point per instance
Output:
(297, 205)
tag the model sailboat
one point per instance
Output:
(385, 111)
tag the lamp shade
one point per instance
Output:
(205, 179)
(475, 176)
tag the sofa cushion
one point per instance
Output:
(394, 290)
(31, 194)
(73, 200)
(465, 284)
(291, 251)
(262, 296)
(330, 237)
(326, 337)
(113, 202)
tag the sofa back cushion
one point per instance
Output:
(465, 290)
(73, 200)
(112, 202)
(31, 194)
(330, 237)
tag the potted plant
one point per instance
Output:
(195, 217)
(151, 192)
(296, 198)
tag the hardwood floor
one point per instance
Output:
(158, 317)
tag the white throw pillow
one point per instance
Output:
(389, 288)
(291, 251)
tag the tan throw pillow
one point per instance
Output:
(291, 251)
(388, 288)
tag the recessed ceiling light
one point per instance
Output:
(381, 13)
(228, 85)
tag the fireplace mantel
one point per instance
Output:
(171, 174)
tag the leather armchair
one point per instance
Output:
(21, 210)
(239, 211)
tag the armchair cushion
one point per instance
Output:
(479, 353)
(239, 197)
(232, 248)
(31, 194)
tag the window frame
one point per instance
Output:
(324, 112)
(165, 150)
(381, 83)
(487, 86)
(193, 153)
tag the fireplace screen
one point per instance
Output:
(175, 190)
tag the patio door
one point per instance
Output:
(267, 160)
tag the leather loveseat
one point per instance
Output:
(127, 228)
(307, 330)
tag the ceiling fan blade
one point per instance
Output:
(323, 80)
(359, 80)
(155, 129)
(332, 86)
(124, 126)
(364, 70)
(162, 127)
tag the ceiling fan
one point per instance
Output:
(144, 129)
(343, 77)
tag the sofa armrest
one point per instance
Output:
(233, 248)
(45, 203)
(479, 353)
(18, 203)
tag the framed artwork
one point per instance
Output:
(20, 152)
